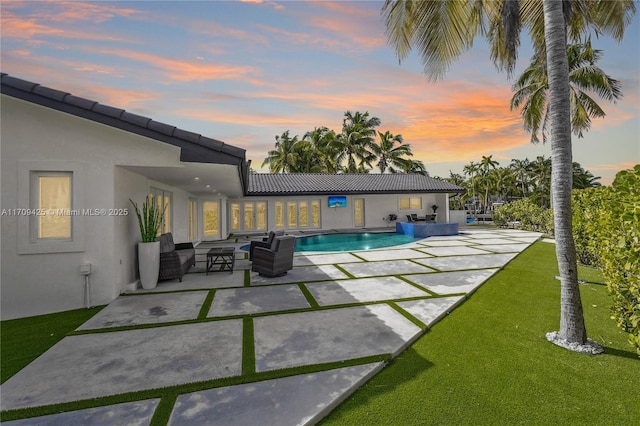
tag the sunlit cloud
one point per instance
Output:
(74, 11)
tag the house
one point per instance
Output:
(69, 167)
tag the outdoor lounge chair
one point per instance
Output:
(276, 260)
(175, 259)
(266, 242)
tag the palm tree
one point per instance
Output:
(358, 132)
(503, 181)
(531, 91)
(522, 169)
(389, 155)
(486, 164)
(471, 169)
(408, 165)
(443, 30)
(541, 175)
(284, 157)
(582, 178)
(324, 146)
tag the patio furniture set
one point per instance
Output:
(271, 257)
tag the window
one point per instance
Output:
(211, 216)
(193, 219)
(261, 216)
(410, 203)
(249, 216)
(315, 214)
(303, 213)
(292, 214)
(235, 216)
(163, 199)
(52, 193)
(279, 214)
(50, 209)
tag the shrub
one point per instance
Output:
(618, 247)
(588, 207)
(529, 216)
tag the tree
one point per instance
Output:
(356, 140)
(487, 164)
(391, 156)
(541, 174)
(284, 157)
(442, 30)
(583, 179)
(471, 170)
(532, 88)
(522, 169)
(324, 143)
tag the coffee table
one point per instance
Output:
(223, 257)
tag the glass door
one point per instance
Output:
(358, 212)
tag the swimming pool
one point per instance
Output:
(351, 241)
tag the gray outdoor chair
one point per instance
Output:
(276, 260)
(266, 242)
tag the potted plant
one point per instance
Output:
(149, 220)
(435, 215)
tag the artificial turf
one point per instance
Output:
(489, 362)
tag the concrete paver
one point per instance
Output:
(452, 282)
(453, 251)
(429, 311)
(301, 274)
(294, 340)
(148, 309)
(293, 400)
(325, 259)
(95, 365)
(362, 290)
(253, 300)
(372, 269)
(390, 254)
(456, 263)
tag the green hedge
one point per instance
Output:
(606, 230)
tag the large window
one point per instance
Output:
(410, 203)
(51, 195)
(211, 218)
(299, 214)
(248, 216)
(163, 200)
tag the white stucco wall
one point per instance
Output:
(37, 283)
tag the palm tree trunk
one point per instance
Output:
(572, 326)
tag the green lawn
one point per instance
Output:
(489, 362)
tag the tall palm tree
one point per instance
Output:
(408, 165)
(486, 164)
(325, 148)
(471, 170)
(284, 157)
(531, 91)
(541, 175)
(582, 178)
(443, 30)
(356, 140)
(521, 169)
(391, 151)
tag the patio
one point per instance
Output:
(323, 329)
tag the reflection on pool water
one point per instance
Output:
(351, 241)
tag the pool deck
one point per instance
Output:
(293, 347)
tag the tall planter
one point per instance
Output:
(149, 264)
(149, 220)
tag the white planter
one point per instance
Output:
(149, 264)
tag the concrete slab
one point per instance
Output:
(452, 282)
(493, 241)
(300, 274)
(430, 311)
(391, 254)
(519, 233)
(324, 259)
(460, 237)
(504, 248)
(136, 413)
(528, 240)
(148, 309)
(293, 340)
(295, 400)
(253, 300)
(200, 281)
(458, 263)
(362, 290)
(389, 267)
(102, 364)
(445, 243)
(453, 251)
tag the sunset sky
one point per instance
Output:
(243, 72)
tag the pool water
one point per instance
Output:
(351, 241)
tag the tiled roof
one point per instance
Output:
(361, 183)
(195, 147)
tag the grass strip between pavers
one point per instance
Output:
(344, 271)
(248, 347)
(206, 305)
(307, 294)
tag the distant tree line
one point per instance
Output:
(358, 148)
(486, 182)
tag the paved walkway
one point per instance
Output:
(359, 307)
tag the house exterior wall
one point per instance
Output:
(35, 280)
